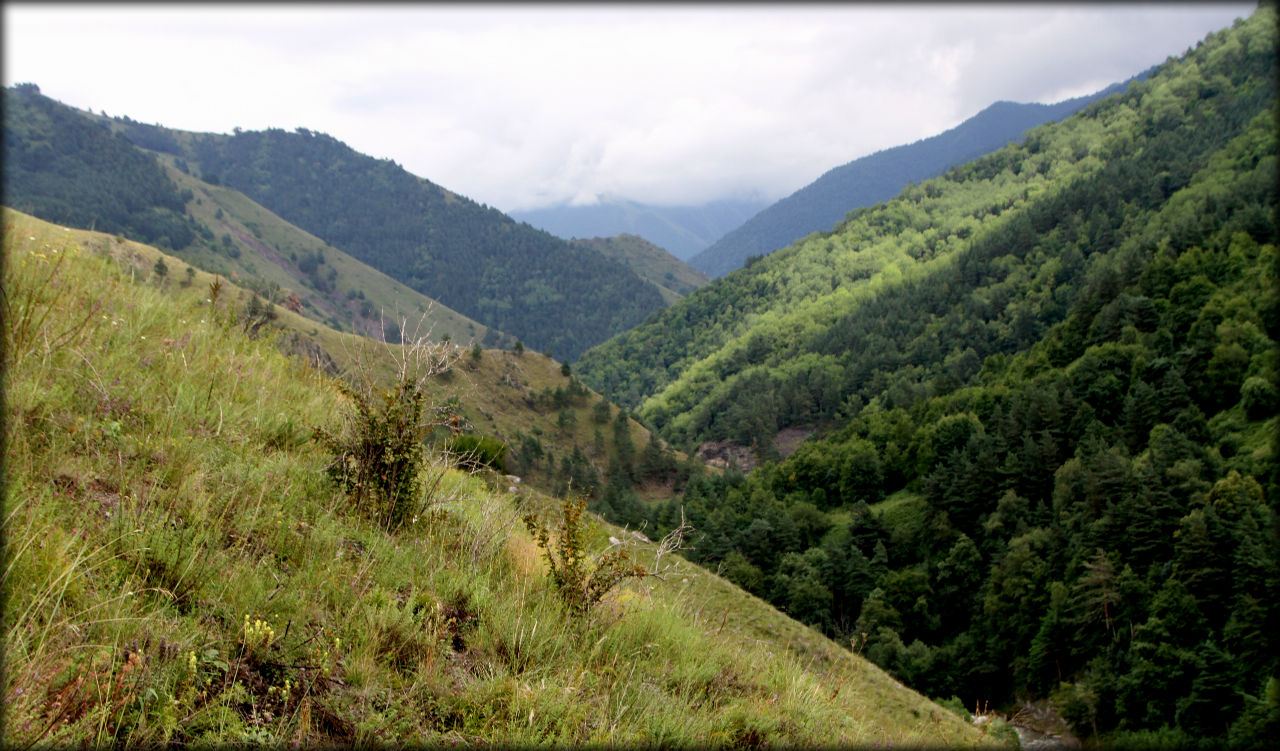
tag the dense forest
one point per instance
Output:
(61, 166)
(553, 295)
(880, 176)
(1050, 378)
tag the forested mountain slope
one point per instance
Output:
(892, 299)
(62, 167)
(66, 165)
(81, 170)
(550, 293)
(1055, 475)
(683, 231)
(820, 205)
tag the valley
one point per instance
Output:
(995, 439)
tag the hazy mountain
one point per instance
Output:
(682, 230)
(817, 207)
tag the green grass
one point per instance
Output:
(179, 569)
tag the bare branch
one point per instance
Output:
(670, 543)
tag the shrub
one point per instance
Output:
(378, 452)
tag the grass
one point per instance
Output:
(178, 568)
(268, 245)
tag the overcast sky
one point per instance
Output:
(522, 106)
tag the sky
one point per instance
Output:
(524, 106)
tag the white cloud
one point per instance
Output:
(519, 106)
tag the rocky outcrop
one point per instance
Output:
(728, 455)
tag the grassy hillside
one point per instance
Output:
(673, 277)
(180, 569)
(277, 259)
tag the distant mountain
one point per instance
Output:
(817, 207)
(673, 278)
(682, 230)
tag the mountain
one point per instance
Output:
(472, 259)
(673, 277)
(71, 167)
(1042, 392)
(681, 230)
(819, 206)
(58, 164)
(182, 568)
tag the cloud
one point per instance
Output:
(523, 106)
